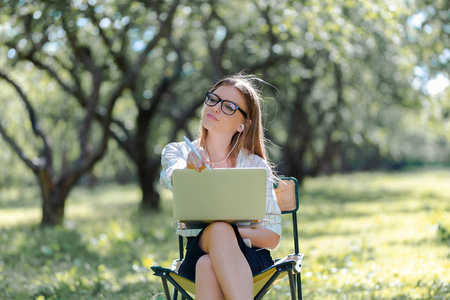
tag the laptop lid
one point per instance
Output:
(236, 194)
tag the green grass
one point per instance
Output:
(365, 236)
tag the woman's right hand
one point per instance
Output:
(193, 162)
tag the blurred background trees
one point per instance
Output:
(357, 85)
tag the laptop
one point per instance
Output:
(235, 195)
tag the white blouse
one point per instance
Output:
(174, 156)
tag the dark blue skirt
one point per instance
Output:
(258, 259)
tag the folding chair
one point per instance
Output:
(288, 201)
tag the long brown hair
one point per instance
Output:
(252, 137)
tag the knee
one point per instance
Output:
(220, 229)
(204, 267)
(215, 235)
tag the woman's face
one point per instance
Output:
(216, 121)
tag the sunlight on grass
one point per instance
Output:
(365, 236)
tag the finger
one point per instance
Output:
(192, 157)
(190, 161)
(191, 166)
(202, 152)
(193, 162)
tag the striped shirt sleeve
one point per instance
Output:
(173, 157)
(273, 214)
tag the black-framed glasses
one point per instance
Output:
(228, 107)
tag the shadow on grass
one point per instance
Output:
(31, 257)
(30, 196)
(20, 197)
(33, 244)
(106, 258)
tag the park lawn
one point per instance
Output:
(365, 236)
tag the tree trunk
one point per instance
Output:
(294, 165)
(299, 130)
(295, 147)
(53, 199)
(147, 176)
(53, 209)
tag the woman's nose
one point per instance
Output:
(216, 108)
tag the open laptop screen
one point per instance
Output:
(236, 194)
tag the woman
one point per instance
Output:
(231, 136)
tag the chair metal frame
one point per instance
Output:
(290, 264)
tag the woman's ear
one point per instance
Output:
(248, 123)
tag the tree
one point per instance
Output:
(349, 64)
(343, 72)
(60, 40)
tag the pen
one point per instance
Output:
(195, 151)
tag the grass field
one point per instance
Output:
(365, 236)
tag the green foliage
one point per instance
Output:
(365, 236)
(351, 78)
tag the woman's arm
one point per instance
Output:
(179, 156)
(173, 157)
(260, 237)
(269, 235)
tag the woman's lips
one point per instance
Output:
(212, 117)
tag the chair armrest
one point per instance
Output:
(292, 257)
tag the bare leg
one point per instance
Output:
(207, 286)
(229, 264)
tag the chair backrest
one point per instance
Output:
(286, 190)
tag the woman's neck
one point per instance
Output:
(218, 146)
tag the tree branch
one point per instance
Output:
(119, 57)
(18, 150)
(125, 145)
(273, 57)
(216, 56)
(167, 81)
(86, 163)
(35, 126)
(91, 102)
(180, 123)
(48, 69)
(132, 74)
(36, 47)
